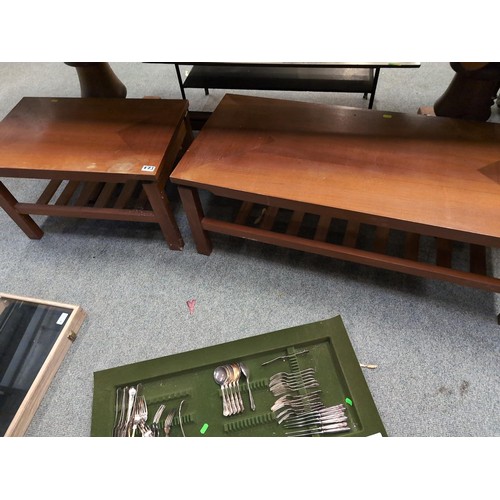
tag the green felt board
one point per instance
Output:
(188, 377)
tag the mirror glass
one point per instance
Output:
(28, 331)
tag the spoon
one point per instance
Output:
(230, 382)
(237, 374)
(246, 371)
(220, 376)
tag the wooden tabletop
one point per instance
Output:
(429, 171)
(44, 136)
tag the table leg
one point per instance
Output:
(166, 220)
(374, 88)
(179, 78)
(25, 222)
(194, 212)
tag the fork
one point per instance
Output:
(143, 412)
(155, 428)
(119, 428)
(140, 414)
(132, 394)
(168, 421)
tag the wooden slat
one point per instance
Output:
(105, 195)
(127, 191)
(89, 192)
(354, 255)
(381, 239)
(477, 259)
(142, 202)
(351, 234)
(48, 192)
(67, 193)
(322, 228)
(412, 242)
(295, 223)
(244, 212)
(269, 218)
(444, 249)
(87, 212)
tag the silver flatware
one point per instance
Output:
(341, 427)
(220, 377)
(315, 422)
(246, 372)
(292, 377)
(168, 421)
(119, 410)
(122, 427)
(323, 412)
(142, 410)
(282, 358)
(155, 427)
(180, 418)
(303, 402)
(140, 416)
(233, 401)
(236, 383)
(132, 392)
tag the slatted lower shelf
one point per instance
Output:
(99, 200)
(359, 242)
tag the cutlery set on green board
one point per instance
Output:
(300, 381)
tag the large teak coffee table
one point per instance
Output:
(314, 177)
(104, 159)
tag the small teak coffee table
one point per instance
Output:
(104, 159)
(409, 178)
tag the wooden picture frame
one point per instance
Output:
(17, 413)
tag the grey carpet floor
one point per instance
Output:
(437, 345)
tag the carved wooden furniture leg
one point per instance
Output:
(97, 79)
(471, 92)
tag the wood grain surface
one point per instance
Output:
(429, 171)
(88, 135)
